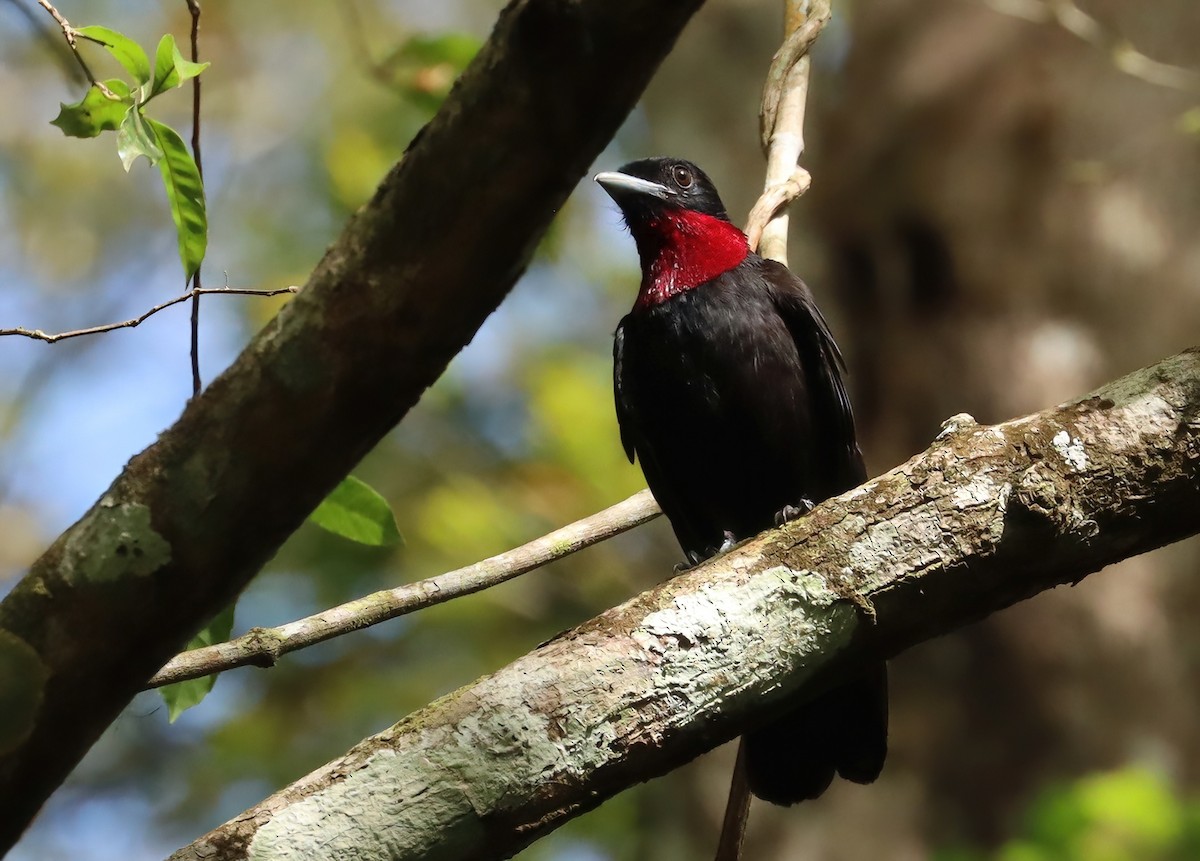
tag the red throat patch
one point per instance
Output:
(682, 249)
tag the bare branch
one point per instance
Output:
(781, 119)
(1124, 55)
(39, 335)
(262, 647)
(72, 36)
(47, 34)
(737, 810)
(987, 516)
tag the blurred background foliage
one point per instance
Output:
(1000, 220)
(1127, 815)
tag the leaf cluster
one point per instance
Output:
(117, 105)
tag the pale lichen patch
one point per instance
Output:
(982, 490)
(113, 541)
(1070, 448)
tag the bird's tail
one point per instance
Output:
(843, 732)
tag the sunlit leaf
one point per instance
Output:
(1134, 802)
(171, 68)
(356, 511)
(135, 139)
(127, 52)
(185, 194)
(424, 68)
(181, 696)
(1189, 122)
(96, 112)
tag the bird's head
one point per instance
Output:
(683, 235)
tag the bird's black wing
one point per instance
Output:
(634, 441)
(823, 365)
(625, 420)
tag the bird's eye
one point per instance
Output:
(682, 176)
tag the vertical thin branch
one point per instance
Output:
(737, 810)
(782, 127)
(781, 124)
(194, 9)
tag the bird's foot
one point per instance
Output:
(730, 541)
(694, 558)
(792, 512)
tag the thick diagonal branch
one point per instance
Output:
(397, 295)
(984, 518)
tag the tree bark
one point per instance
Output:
(402, 290)
(987, 516)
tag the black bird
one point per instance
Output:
(729, 392)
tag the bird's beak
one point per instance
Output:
(622, 185)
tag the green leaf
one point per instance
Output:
(135, 139)
(181, 696)
(128, 52)
(171, 68)
(96, 112)
(355, 511)
(424, 68)
(1189, 122)
(185, 194)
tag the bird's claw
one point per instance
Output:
(694, 558)
(728, 543)
(691, 560)
(792, 512)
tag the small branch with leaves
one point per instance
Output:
(119, 105)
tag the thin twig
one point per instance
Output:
(39, 335)
(262, 647)
(47, 34)
(1083, 26)
(737, 810)
(781, 125)
(194, 9)
(72, 36)
(356, 31)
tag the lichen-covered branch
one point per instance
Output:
(984, 518)
(411, 278)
